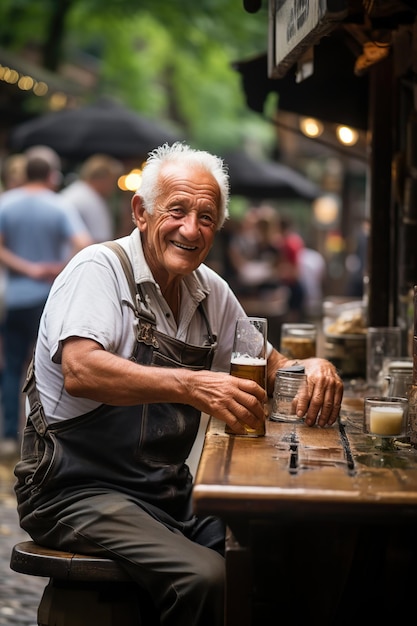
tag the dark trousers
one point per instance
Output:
(178, 563)
(20, 329)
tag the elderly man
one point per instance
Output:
(119, 383)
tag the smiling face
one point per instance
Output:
(179, 234)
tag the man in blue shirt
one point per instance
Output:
(38, 234)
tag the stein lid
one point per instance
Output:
(293, 369)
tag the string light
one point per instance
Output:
(57, 100)
(313, 128)
(23, 81)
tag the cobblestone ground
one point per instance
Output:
(19, 594)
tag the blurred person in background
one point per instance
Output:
(13, 171)
(36, 230)
(312, 273)
(254, 255)
(91, 193)
(12, 175)
(291, 243)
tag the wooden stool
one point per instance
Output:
(83, 590)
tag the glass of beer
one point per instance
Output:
(248, 358)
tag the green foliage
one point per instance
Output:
(169, 60)
(19, 20)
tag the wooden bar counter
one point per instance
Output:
(322, 524)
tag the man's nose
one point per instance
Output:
(190, 224)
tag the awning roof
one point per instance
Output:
(333, 93)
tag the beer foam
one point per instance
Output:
(248, 360)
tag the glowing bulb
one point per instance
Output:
(40, 89)
(133, 180)
(326, 210)
(347, 136)
(311, 127)
(130, 181)
(25, 83)
(57, 101)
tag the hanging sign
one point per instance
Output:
(295, 26)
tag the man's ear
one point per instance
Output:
(138, 212)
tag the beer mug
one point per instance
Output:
(248, 358)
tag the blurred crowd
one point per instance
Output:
(270, 267)
(45, 218)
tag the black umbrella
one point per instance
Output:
(262, 179)
(103, 127)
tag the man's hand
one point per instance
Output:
(322, 404)
(235, 401)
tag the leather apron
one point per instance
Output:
(136, 450)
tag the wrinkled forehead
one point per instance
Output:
(186, 171)
(192, 178)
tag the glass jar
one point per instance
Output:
(290, 385)
(398, 377)
(298, 341)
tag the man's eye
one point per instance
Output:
(207, 219)
(176, 212)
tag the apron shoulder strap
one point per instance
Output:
(142, 309)
(126, 264)
(36, 414)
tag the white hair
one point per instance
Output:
(179, 152)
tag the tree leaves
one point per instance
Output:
(169, 60)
